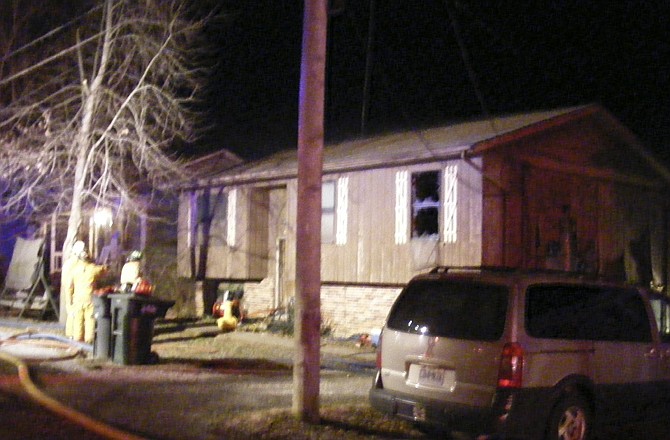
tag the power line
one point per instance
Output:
(468, 65)
(48, 60)
(50, 33)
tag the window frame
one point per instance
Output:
(425, 205)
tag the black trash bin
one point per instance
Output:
(102, 337)
(132, 326)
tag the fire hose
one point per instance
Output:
(54, 405)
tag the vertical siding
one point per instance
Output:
(467, 249)
(493, 208)
(546, 193)
(258, 221)
(218, 257)
(637, 208)
(371, 254)
(183, 253)
(291, 213)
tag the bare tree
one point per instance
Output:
(97, 125)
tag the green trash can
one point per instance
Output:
(132, 326)
(103, 318)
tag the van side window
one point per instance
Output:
(586, 313)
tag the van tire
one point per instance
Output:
(571, 419)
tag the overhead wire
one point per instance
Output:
(465, 57)
(50, 33)
(369, 45)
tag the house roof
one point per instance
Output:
(427, 145)
(213, 164)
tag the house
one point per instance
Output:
(569, 189)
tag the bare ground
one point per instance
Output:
(188, 346)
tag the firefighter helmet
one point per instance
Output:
(78, 247)
(135, 256)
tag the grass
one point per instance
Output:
(337, 423)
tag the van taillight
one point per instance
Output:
(510, 374)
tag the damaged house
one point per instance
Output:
(570, 189)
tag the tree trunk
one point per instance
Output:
(89, 103)
(308, 247)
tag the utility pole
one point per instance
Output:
(307, 331)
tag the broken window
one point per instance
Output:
(425, 204)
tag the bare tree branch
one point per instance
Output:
(90, 117)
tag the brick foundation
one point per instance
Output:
(346, 310)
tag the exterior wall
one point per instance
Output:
(371, 253)
(620, 228)
(357, 271)
(509, 211)
(634, 230)
(183, 255)
(352, 310)
(258, 297)
(347, 310)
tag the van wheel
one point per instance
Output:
(570, 419)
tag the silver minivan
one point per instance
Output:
(503, 353)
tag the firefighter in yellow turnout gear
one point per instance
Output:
(80, 317)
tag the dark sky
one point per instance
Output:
(524, 55)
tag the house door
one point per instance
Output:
(277, 252)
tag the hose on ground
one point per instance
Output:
(65, 347)
(59, 408)
(52, 337)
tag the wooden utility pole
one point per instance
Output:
(306, 364)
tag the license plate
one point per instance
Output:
(429, 376)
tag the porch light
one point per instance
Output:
(102, 217)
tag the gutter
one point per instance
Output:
(266, 177)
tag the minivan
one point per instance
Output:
(516, 354)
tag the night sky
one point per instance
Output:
(524, 56)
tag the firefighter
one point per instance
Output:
(66, 281)
(131, 272)
(83, 277)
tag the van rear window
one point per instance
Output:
(453, 309)
(586, 313)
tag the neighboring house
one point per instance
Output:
(567, 189)
(113, 232)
